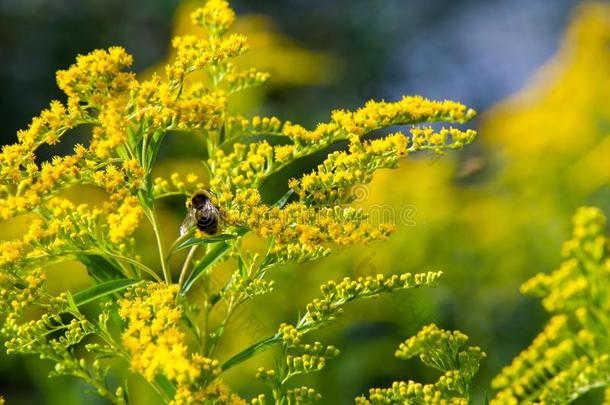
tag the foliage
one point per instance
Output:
(157, 317)
(498, 212)
(441, 350)
(570, 356)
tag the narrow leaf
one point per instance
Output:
(165, 385)
(153, 147)
(101, 290)
(282, 201)
(212, 257)
(71, 302)
(132, 140)
(201, 241)
(240, 231)
(251, 351)
(101, 269)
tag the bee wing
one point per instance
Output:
(187, 223)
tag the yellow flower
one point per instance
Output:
(216, 15)
(153, 339)
(97, 76)
(125, 221)
(113, 129)
(129, 121)
(216, 392)
(10, 252)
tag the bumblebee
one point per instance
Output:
(202, 213)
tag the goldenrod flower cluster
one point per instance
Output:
(125, 220)
(290, 335)
(336, 295)
(246, 79)
(157, 346)
(331, 181)
(177, 185)
(10, 251)
(302, 395)
(250, 287)
(299, 358)
(441, 350)
(567, 358)
(217, 16)
(260, 160)
(408, 392)
(238, 174)
(427, 344)
(152, 335)
(303, 358)
(13, 302)
(216, 392)
(128, 120)
(96, 77)
(54, 337)
(302, 233)
(64, 230)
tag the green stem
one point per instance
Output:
(217, 335)
(185, 266)
(167, 275)
(178, 240)
(206, 313)
(102, 390)
(261, 346)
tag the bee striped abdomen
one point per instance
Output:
(208, 224)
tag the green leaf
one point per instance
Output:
(153, 147)
(101, 290)
(240, 231)
(165, 385)
(100, 268)
(212, 257)
(122, 152)
(201, 241)
(251, 351)
(132, 138)
(282, 201)
(71, 302)
(242, 266)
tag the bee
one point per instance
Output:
(202, 213)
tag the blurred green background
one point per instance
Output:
(538, 72)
